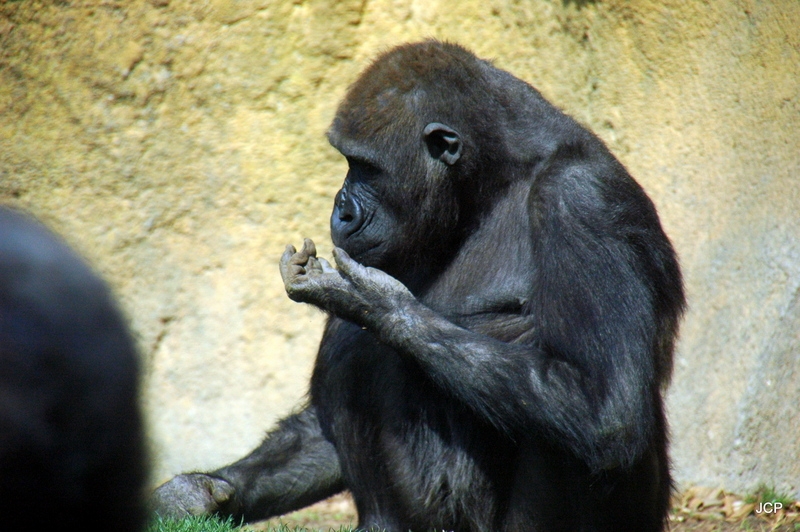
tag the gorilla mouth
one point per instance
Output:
(365, 255)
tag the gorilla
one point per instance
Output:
(72, 452)
(502, 317)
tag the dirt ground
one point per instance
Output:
(695, 510)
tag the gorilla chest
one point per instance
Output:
(398, 432)
(354, 372)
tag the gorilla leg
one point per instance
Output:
(295, 466)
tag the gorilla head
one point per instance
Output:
(417, 163)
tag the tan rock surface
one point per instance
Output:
(180, 145)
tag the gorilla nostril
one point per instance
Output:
(348, 211)
(347, 217)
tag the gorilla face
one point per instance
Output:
(393, 208)
(362, 224)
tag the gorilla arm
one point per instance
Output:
(295, 466)
(516, 387)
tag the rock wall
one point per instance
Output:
(180, 146)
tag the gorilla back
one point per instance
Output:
(502, 318)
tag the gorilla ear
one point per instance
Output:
(444, 143)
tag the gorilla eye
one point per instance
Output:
(360, 168)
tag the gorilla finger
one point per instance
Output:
(221, 491)
(313, 265)
(300, 257)
(326, 266)
(288, 253)
(346, 265)
(284, 264)
(309, 248)
(188, 494)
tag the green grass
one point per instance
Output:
(193, 524)
(764, 493)
(216, 524)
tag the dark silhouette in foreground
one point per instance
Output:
(71, 436)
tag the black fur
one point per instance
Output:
(514, 380)
(71, 437)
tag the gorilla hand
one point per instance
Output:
(192, 494)
(354, 292)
